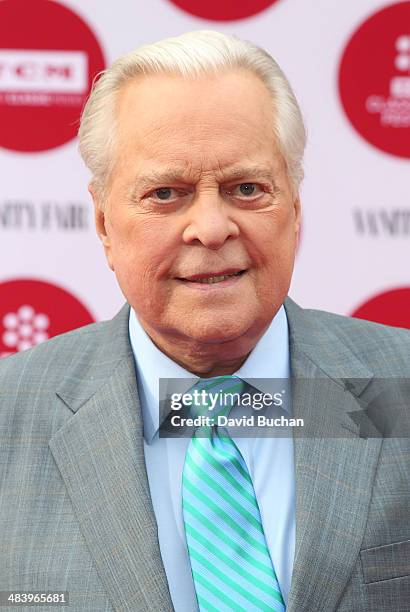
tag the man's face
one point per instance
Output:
(200, 188)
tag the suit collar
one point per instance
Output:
(316, 341)
(108, 346)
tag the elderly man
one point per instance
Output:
(195, 146)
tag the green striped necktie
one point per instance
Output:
(230, 560)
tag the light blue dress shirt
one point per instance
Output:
(269, 460)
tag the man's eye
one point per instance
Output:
(164, 193)
(246, 189)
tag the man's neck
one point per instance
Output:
(204, 359)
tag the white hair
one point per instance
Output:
(190, 55)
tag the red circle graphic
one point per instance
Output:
(374, 80)
(223, 10)
(390, 307)
(48, 59)
(33, 311)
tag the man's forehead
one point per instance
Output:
(166, 138)
(229, 97)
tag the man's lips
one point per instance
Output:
(196, 277)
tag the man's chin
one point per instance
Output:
(218, 331)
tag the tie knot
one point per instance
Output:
(215, 396)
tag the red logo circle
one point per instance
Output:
(390, 307)
(48, 59)
(33, 311)
(374, 80)
(223, 10)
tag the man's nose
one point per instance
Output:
(210, 221)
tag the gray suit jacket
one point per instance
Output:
(75, 507)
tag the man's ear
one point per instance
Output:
(100, 225)
(298, 216)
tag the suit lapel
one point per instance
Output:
(99, 452)
(334, 467)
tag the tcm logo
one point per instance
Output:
(374, 79)
(394, 109)
(47, 66)
(53, 72)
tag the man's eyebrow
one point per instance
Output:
(162, 177)
(170, 175)
(251, 171)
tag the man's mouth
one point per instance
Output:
(217, 279)
(211, 278)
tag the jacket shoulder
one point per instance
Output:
(352, 325)
(86, 353)
(383, 348)
(59, 349)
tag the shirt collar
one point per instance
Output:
(268, 359)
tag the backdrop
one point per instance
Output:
(349, 64)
